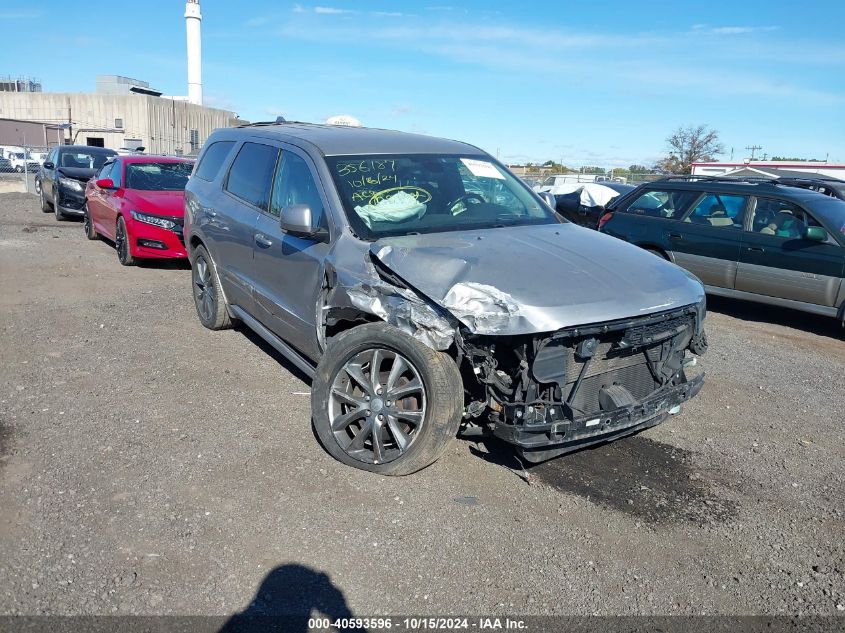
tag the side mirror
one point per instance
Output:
(298, 220)
(49, 165)
(105, 183)
(549, 199)
(815, 234)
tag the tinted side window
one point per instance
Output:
(252, 173)
(781, 219)
(295, 185)
(212, 159)
(718, 209)
(661, 204)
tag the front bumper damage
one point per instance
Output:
(541, 437)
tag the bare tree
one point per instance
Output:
(688, 145)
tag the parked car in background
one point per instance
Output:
(22, 161)
(63, 176)
(5, 165)
(138, 202)
(585, 203)
(755, 240)
(426, 289)
(828, 186)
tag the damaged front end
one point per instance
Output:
(530, 376)
(552, 393)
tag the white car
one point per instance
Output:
(23, 162)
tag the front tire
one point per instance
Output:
(383, 401)
(208, 298)
(88, 225)
(46, 207)
(121, 244)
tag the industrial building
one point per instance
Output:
(770, 169)
(121, 113)
(106, 119)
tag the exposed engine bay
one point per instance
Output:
(551, 393)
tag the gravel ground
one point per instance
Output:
(148, 465)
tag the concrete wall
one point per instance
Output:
(22, 133)
(162, 125)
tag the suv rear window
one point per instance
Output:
(213, 158)
(661, 204)
(252, 173)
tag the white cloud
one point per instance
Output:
(332, 11)
(732, 30)
(257, 21)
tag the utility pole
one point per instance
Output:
(753, 149)
(69, 121)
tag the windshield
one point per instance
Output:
(419, 193)
(831, 210)
(84, 160)
(158, 176)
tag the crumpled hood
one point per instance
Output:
(77, 173)
(529, 279)
(170, 203)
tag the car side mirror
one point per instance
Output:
(49, 165)
(298, 220)
(549, 199)
(105, 183)
(815, 234)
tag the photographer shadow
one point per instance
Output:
(288, 597)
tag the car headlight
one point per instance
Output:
(155, 220)
(70, 183)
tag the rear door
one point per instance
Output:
(231, 225)
(288, 269)
(707, 241)
(776, 260)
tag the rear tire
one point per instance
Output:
(208, 297)
(357, 420)
(88, 225)
(121, 244)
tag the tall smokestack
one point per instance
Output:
(193, 19)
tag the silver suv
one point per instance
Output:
(428, 292)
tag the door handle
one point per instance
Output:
(675, 236)
(262, 241)
(756, 249)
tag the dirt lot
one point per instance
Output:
(151, 466)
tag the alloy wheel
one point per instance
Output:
(205, 294)
(377, 406)
(86, 221)
(120, 242)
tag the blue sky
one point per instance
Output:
(589, 82)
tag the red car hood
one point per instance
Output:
(171, 203)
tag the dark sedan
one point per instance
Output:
(64, 174)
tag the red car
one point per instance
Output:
(137, 201)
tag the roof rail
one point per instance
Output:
(811, 178)
(279, 121)
(755, 180)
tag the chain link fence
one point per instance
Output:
(20, 166)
